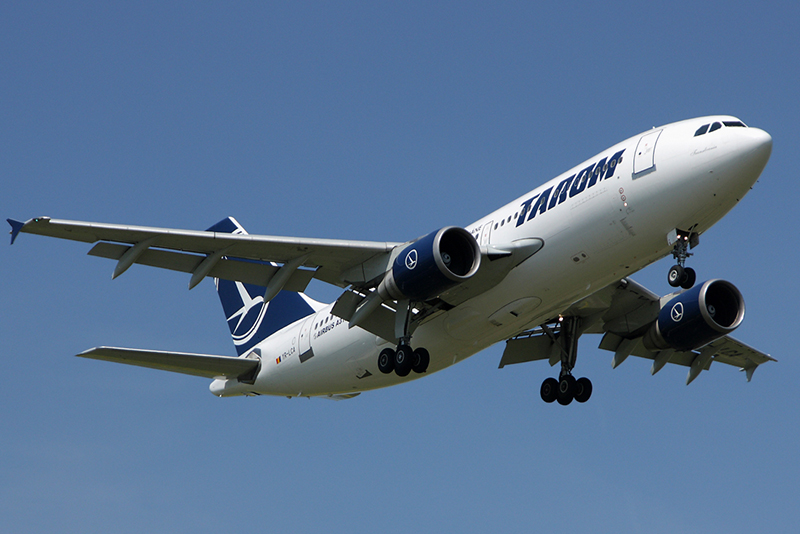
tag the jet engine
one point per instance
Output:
(697, 317)
(431, 264)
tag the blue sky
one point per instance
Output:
(376, 122)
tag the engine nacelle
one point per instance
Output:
(432, 264)
(697, 317)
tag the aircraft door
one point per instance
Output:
(486, 233)
(643, 158)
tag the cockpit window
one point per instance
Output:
(716, 126)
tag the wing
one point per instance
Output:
(623, 312)
(220, 254)
(279, 262)
(205, 365)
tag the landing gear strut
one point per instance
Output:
(679, 275)
(566, 388)
(403, 360)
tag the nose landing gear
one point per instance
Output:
(679, 275)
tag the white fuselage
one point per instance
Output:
(594, 234)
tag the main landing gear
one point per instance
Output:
(679, 275)
(403, 360)
(567, 388)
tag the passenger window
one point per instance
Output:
(700, 131)
(714, 127)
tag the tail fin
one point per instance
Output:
(249, 318)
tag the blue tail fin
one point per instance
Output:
(249, 318)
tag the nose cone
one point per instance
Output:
(747, 155)
(756, 146)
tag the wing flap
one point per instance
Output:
(611, 342)
(529, 349)
(249, 272)
(380, 322)
(205, 365)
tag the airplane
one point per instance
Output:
(538, 273)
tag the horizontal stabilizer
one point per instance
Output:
(204, 365)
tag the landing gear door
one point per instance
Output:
(304, 341)
(486, 233)
(644, 157)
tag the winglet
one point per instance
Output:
(16, 226)
(749, 371)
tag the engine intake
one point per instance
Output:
(697, 317)
(432, 264)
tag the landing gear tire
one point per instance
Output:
(689, 278)
(403, 359)
(386, 361)
(549, 390)
(676, 275)
(420, 358)
(582, 389)
(566, 386)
